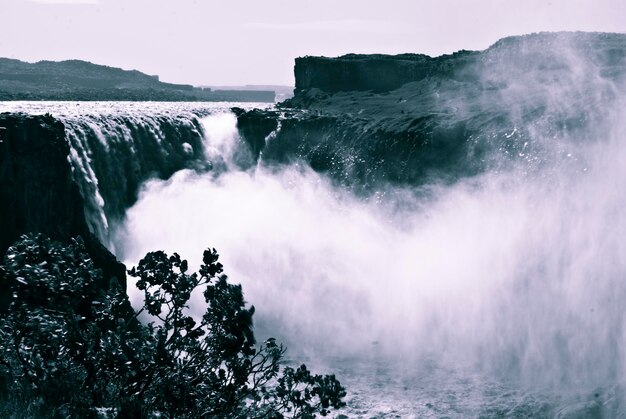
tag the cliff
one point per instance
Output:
(381, 73)
(367, 121)
(378, 73)
(37, 191)
(36, 188)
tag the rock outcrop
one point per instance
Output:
(255, 126)
(36, 188)
(378, 72)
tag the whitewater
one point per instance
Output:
(500, 294)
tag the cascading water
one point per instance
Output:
(116, 147)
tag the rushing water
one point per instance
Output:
(499, 295)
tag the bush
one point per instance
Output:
(71, 349)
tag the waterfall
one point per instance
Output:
(112, 156)
(114, 148)
(477, 269)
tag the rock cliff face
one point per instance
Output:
(37, 192)
(371, 120)
(36, 188)
(378, 73)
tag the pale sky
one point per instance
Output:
(234, 42)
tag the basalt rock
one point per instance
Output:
(377, 72)
(37, 193)
(255, 126)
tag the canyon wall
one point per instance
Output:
(377, 72)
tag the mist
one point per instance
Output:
(516, 274)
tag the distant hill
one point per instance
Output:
(82, 80)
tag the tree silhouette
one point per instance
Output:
(72, 349)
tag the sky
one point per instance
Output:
(238, 42)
